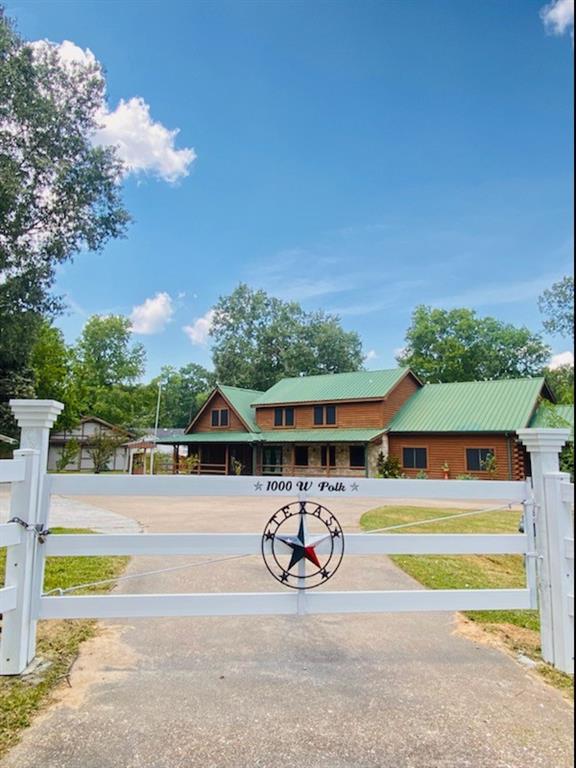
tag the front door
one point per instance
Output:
(272, 460)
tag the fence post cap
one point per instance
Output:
(36, 413)
(544, 439)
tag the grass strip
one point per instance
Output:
(58, 641)
(517, 630)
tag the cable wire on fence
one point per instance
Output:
(440, 519)
(61, 591)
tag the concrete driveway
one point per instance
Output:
(366, 691)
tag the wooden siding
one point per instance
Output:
(451, 448)
(397, 397)
(349, 415)
(204, 422)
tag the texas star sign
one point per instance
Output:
(302, 545)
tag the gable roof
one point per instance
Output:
(241, 400)
(470, 406)
(358, 385)
(238, 399)
(108, 424)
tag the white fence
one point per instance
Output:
(547, 512)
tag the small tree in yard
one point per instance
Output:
(489, 465)
(68, 455)
(388, 466)
(101, 450)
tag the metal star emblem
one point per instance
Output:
(301, 548)
(302, 561)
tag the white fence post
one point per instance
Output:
(544, 446)
(30, 503)
(14, 648)
(559, 520)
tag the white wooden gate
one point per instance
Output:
(547, 513)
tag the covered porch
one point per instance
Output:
(308, 453)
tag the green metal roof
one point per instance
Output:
(241, 400)
(332, 386)
(324, 435)
(470, 406)
(549, 415)
(212, 437)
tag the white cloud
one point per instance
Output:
(144, 146)
(69, 53)
(371, 355)
(153, 315)
(199, 331)
(562, 358)
(558, 16)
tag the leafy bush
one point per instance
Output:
(69, 453)
(388, 466)
(489, 464)
(189, 465)
(421, 475)
(101, 450)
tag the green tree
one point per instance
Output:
(59, 193)
(457, 345)
(132, 407)
(557, 306)
(259, 339)
(561, 380)
(105, 353)
(51, 362)
(101, 450)
(69, 454)
(183, 393)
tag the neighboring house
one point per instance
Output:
(338, 424)
(84, 434)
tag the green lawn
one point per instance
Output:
(58, 641)
(519, 630)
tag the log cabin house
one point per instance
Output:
(338, 424)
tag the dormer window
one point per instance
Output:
(283, 417)
(324, 415)
(220, 417)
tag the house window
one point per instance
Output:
(283, 417)
(415, 458)
(476, 458)
(220, 417)
(357, 456)
(328, 455)
(301, 455)
(324, 414)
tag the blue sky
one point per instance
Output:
(359, 157)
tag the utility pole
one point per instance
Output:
(153, 452)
